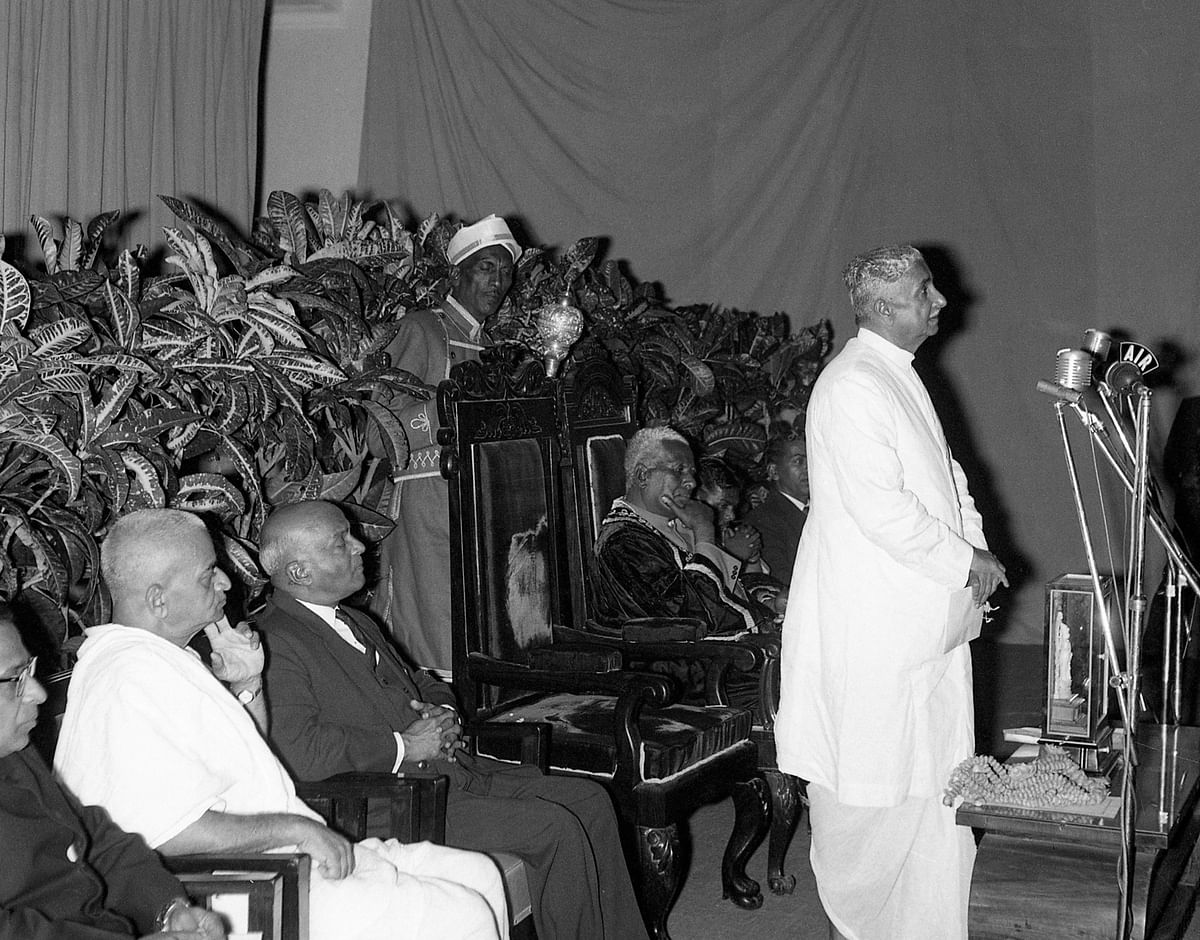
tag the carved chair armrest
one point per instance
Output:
(751, 652)
(416, 800)
(293, 868)
(534, 737)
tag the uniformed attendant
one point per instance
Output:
(413, 593)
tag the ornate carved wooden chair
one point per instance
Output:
(598, 409)
(659, 760)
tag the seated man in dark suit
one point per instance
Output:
(341, 699)
(780, 517)
(69, 872)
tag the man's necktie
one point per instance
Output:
(359, 634)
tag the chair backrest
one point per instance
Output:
(598, 409)
(44, 736)
(501, 456)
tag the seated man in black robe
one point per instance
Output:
(657, 556)
(69, 872)
(657, 553)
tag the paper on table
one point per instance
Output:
(963, 620)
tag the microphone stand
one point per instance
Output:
(1146, 512)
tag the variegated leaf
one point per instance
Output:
(95, 236)
(104, 465)
(129, 275)
(305, 368)
(14, 299)
(270, 275)
(61, 458)
(61, 336)
(154, 421)
(701, 376)
(287, 212)
(113, 401)
(243, 562)
(209, 486)
(244, 462)
(215, 365)
(124, 316)
(63, 377)
(242, 259)
(49, 245)
(71, 251)
(51, 575)
(179, 438)
(146, 491)
(237, 408)
(18, 386)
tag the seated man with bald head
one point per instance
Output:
(341, 699)
(152, 736)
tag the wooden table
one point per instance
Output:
(1053, 875)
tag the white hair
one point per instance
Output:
(645, 442)
(866, 274)
(137, 545)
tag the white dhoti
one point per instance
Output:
(891, 873)
(400, 891)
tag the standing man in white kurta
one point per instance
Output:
(876, 704)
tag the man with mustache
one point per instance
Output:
(413, 593)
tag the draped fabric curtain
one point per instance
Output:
(108, 103)
(741, 151)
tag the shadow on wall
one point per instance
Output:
(960, 435)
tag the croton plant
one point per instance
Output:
(244, 375)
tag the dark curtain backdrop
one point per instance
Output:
(108, 103)
(740, 151)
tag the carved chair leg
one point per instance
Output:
(786, 807)
(658, 864)
(752, 808)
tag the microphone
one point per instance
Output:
(1124, 378)
(1128, 374)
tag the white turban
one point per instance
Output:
(483, 234)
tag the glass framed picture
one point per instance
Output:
(1078, 693)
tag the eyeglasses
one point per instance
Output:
(21, 679)
(676, 469)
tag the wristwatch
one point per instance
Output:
(246, 696)
(162, 923)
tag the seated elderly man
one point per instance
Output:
(657, 556)
(69, 873)
(342, 700)
(151, 735)
(657, 553)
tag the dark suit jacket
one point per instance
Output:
(780, 523)
(331, 711)
(117, 887)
